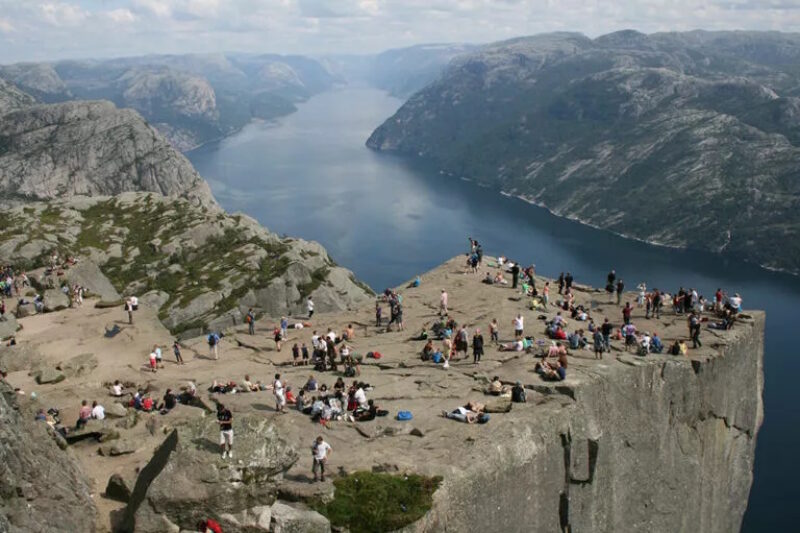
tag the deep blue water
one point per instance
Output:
(310, 175)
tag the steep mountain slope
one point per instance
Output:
(687, 140)
(11, 98)
(89, 148)
(404, 71)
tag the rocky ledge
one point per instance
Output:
(199, 266)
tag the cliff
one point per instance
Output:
(89, 148)
(618, 131)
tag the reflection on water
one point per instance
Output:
(311, 176)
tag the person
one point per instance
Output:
(694, 330)
(116, 389)
(284, 327)
(735, 303)
(98, 411)
(718, 296)
(477, 347)
(310, 307)
(443, 303)
(280, 396)
(495, 386)
(225, 421)
(514, 275)
(568, 280)
(360, 396)
(176, 349)
(147, 403)
(612, 276)
(546, 294)
(213, 344)
(518, 394)
(465, 413)
(682, 348)
(378, 314)
(599, 344)
(295, 354)
(519, 324)
(629, 334)
(129, 310)
(209, 526)
(250, 318)
(427, 350)
(311, 384)
(627, 311)
(304, 353)
(134, 303)
(620, 288)
(169, 403)
(84, 414)
(320, 452)
(153, 361)
(157, 351)
(276, 334)
(560, 283)
(494, 331)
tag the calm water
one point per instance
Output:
(311, 176)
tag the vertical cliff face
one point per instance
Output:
(661, 446)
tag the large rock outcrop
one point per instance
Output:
(661, 446)
(89, 148)
(41, 487)
(12, 98)
(617, 131)
(200, 266)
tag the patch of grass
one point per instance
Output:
(366, 502)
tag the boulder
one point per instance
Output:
(93, 429)
(19, 357)
(294, 518)
(88, 275)
(48, 375)
(187, 481)
(120, 447)
(80, 365)
(108, 304)
(8, 326)
(500, 405)
(117, 489)
(26, 309)
(154, 299)
(55, 300)
(258, 518)
(116, 410)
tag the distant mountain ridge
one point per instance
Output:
(683, 139)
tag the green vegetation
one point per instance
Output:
(366, 502)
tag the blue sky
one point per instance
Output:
(53, 29)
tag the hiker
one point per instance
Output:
(98, 411)
(310, 307)
(134, 303)
(320, 451)
(153, 362)
(443, 303)
(469, 413)
(560, 283)
(284, 327)
(519, 324)
(276, 334)
(129, 310)
(295, 354)
(656, 345)
(250, 318)
(378, 314)
(514, 275)
(225, 421)
(84, 414)
(518, 394)
(157, 351)
(599, 344)
(169, 402)
(627, 311)
(494, 331)
(304, 353)
(546, 294)
(280, 395)
(213, 344)
(629, 334)
(477, 347)
(620, 288)
(694, 330)
(176, 349)
(735, 303)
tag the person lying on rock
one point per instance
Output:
(552, 370)
(470, 413)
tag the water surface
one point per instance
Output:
(310, 175)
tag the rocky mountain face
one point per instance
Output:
(11, 98)
(89, 148)
(201, 267)
(404, 71)
(682, 139)
(191, 99)
(41, 487)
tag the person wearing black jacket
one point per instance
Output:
(477, 347)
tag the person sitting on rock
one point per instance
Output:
(311, 384)
(147, 403)
(169, 402)
(656, 346)
(290, 397)
(116, 389)
(551, 370)
(495, 387)
(349, 333)
(427, 351)
(518, 394)
(368, 414)
(98, 411)
(248, 386)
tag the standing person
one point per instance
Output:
(276, 334)
(378, 314)
(284, 327)
(494, 331)
(176, 349)
(620, 288)
(626, 313)
(304, 353)
(251, 321)
(568, 279)
(159, 357)
(718, 300)
(694, 330)
(477, 346)
(213, 344)
(514, 275)
(611, 278)
(657, 299)
(320, 451)
(606, 330)
(129, 310)
(310, 307)
(153, 363)
(280, 394)
(518, 323)
(443, 303)
(560, 283)
(546, 294)
(225, 421)
(599, 344)
(295, 354)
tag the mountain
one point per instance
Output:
(11, 98)
(404, 71)
(192, 98)
(52, 151)
(682, 139)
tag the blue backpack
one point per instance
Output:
(404, 415)
(437, 357)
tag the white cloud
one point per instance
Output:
(46, 29)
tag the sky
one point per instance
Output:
(35, 30)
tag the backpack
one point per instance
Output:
(248, 319)
(375, 355)
(404, 415)
(212, 340)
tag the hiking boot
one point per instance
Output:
(230, 454)
(224, 455)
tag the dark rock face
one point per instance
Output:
(617, 131)
(89, 148)
(117, 489)
(41, 487)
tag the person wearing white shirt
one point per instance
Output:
(320, 451)
(280, 395)
(98, 412)
(134, 303)
(518, 326)
(361, 397)
(310, 307)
